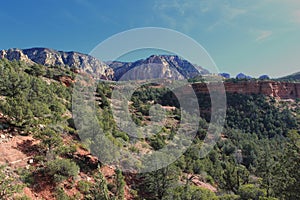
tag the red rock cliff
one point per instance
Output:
(283, 90)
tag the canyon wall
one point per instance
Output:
(283, 90)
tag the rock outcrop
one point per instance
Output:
(283, 90)
(156, 66)
(50, 57)
(15, 54)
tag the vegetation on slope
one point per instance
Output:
(257, 156)
(293, 77)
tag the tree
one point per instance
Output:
(190, 192)
(250, 191)
(120, 183)
(50, 141)
(267, 167)
(289, 177)
(61, 169)
(99, 189)
(36, 70)
(159, 182)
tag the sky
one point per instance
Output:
(254, 37)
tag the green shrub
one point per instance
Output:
(26, 176)
(84, 186)
(157, 142)
(191, 193)
(61, 169)
(60, 194)
(229, 197)
(250, 191)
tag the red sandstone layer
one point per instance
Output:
(283, 90)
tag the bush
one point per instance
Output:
(26, 177)
(268, 198)
(250, 191)
(61, 169)
(191, 193)
(84, 186)
(229, 197)
(61, 195)
(157, 142)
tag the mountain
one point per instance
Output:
(292, 77)
(50, 57)
(162, 66)
(264, 77)
(156, 66)
(225, 75)
(243, 76)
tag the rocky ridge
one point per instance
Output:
(50, 57)
(282, 90)
(156, 66)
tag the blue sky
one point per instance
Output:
(255, 37)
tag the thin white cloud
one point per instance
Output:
(227, 17)
(187, 14)
(231, 12)
(263, 35)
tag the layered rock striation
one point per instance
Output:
(283, 90)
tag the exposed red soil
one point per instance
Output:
(11, 151)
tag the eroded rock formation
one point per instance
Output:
(283, 90)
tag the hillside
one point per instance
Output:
(45, 157)
(292, 77)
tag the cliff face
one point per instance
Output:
(283, 90)
(50, 57)
(156, 66)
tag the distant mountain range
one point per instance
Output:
(292, 77)
(156, 66)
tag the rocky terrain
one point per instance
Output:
(283, 90)
(156, 66)
(50, 57)
(162, 66)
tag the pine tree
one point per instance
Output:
(120, 183)
(99, 189)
